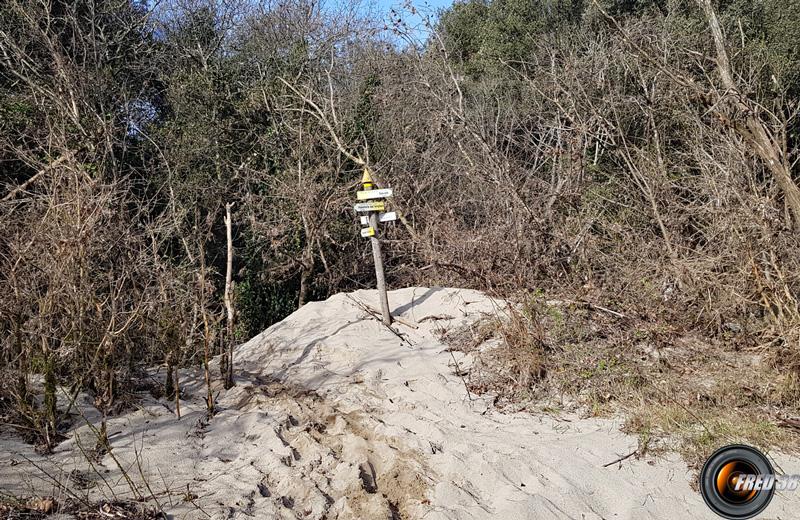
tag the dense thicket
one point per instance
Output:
(621, 151)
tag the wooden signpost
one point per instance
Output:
(372, 220)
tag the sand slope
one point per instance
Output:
(336, 416)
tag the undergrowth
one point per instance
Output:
(43, 507)
(676, 389)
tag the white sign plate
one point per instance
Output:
(383, 217)
(374, 194)
(370, 206)
(367, 232)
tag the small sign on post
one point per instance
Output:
(374, 194)
(370, 206)
(368, 232)
(382, 217)
(373, 208)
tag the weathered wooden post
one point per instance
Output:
(227, 357)
(374, 208)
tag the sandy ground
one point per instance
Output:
(335, 416)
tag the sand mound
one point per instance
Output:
(335, 416)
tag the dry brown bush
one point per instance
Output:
(610, 177)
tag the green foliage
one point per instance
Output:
(365, 115)
(633, 7)
(485, 36)
(262, 302)
(482, 35)
(782, 36)
(463, 25)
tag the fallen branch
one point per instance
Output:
(790, 423)
(460, 374)
(377, 315)
(624, 457)
(589, 305)
(22, 187)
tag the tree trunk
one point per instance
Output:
(206, 359)
(177, 395)
(751, 128)
(305, 275)
(229, 339)
(206, 330)
(20, 383)
(169, 380)
(104, 401)
(50, 410)
(222, 343)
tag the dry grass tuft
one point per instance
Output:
(677, 390)
(513, 363)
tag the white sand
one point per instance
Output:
(334, 416)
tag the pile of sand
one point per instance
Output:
(336, 416)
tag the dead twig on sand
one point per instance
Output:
(624, 457)
(377, 315)
(460, 374)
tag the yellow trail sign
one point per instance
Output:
(368, 232)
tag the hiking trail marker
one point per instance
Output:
(374, 208)
(367, 231)
(382, 217)
(370, 206)
(374, 194)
